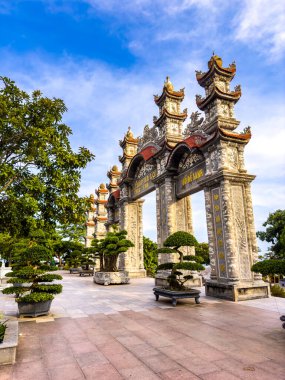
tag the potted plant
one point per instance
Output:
(172, 251)
(109, 249)
(32, 270)
(3, 327)
(175, 276)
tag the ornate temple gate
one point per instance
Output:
(208, 156)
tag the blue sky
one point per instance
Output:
(107, 58)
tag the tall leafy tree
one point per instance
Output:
(149, 256)
(274, 234)
(39, 172)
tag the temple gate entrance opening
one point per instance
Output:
(176, 162)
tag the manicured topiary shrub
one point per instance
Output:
(165, 266)
(189, 266)
(197, 259)
(109, 249)
(180, 239)
(31, 271)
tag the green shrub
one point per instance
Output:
(277, 291)
(189, 266)
(197, 259)
(35, 297)
(180, 239)
(31, 270)
(165, 266)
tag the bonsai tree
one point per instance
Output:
(88, 257)
(173, 244)
(180, 239)
(31, 269)
(110, 248)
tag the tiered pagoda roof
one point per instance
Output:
(166, 114)
(215, 66)
(168, 91)
(217, 93)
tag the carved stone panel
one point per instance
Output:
(218, 223)
(143, 182)
(241, 232)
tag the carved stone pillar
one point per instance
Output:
(232, 239)
(131, 221)
(172, 215)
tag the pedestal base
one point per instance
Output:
(238, 292)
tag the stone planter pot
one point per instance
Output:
(34, 309)
(161, 278)
(9, 345)
(176, 294)
(111, 278)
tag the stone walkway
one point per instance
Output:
(121, 332)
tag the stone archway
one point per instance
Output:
(207, 156)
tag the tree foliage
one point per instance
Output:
(110, 247)
(149, 256)
(269, 267)
(275, 233)
(30, 262)
(180, 239)
(40, 173)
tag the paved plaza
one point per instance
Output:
(121, 332)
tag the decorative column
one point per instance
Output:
(130, 214)
(131, 221)
(90, 223)
(172, 215)
(101, 217)
(230, 222)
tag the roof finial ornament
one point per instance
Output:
(167, 84)
(213, 53)
(129, 133)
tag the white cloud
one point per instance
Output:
(260, 24)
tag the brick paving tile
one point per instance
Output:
(82, 347)
(250, 371)
(138, 373)
(58, 358)
(6, 372)
(198, 365)
(67, 371)
(221, 375)
(175, 352)
(30, 371)
(144, 349)
(125, 360)
(101, 371)
(159, 363)
(90, 358)
(178, 374)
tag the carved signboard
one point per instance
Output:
(143, 183)
(187, 182)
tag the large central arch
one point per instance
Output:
(207, 156)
